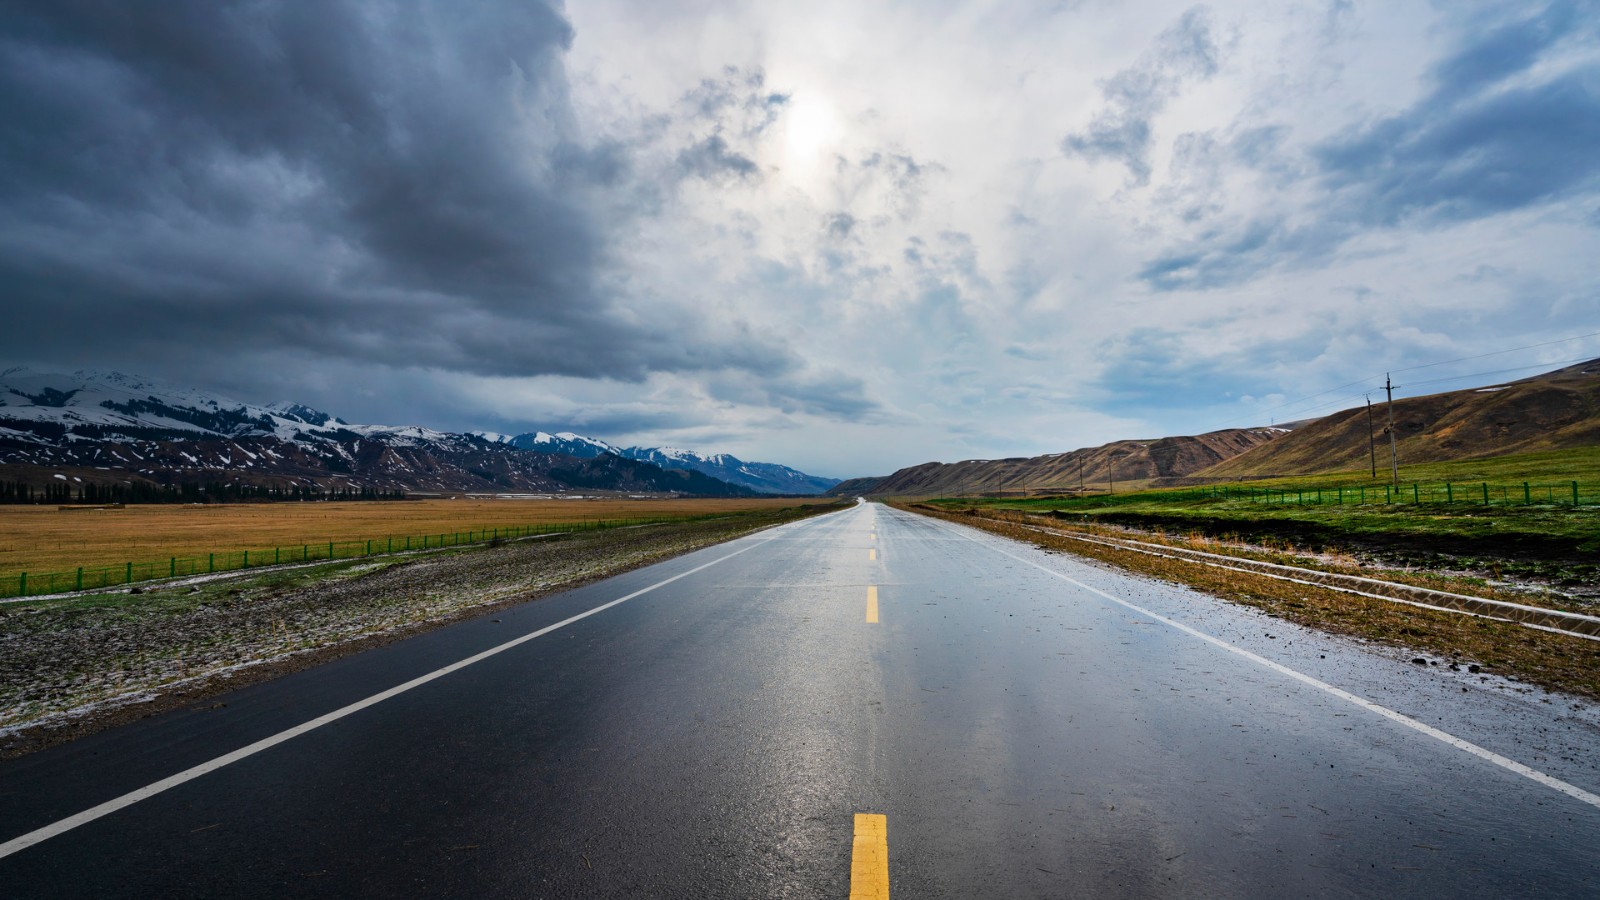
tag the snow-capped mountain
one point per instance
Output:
(109, 429)
(767, 478)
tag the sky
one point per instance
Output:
(844, 236)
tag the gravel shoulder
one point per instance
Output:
(74, 665)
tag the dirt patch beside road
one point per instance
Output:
(71, 666)
(1507, 649)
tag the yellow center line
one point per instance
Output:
(872, 554)
(869, 858)
(872, 603)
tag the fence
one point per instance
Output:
(26, 584)
(1478, 493)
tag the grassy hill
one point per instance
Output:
(1121, 463)
(1558, 410)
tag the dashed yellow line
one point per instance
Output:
(869, 858)
(872, 554)
(872, 603)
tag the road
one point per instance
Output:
(1025, 724)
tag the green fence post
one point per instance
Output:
(305, 552)
(330, 549)
(211, 562)
(246, 560)
(1415, 497)
(1449, 495)
(388, 545)
(129, 579)
(1574, 493)
(1486, 493)
(80, 579)
(1527, 494)
(277, 554)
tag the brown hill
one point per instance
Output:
(1554, 411)
(1121, 463)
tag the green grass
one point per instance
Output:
(1548, 537)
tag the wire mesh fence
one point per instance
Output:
(89, 578)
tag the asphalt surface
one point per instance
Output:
(1022, 734)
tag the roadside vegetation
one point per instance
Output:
(1449, 547)
(1437, 520)
(74, 664)
(50, 538)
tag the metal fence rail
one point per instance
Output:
(1476, 493)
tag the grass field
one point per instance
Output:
(45, 538)
(1545, 537)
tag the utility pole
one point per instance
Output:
(1394, 457)
(1372, 442)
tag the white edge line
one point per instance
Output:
(1503, 762)
(1345, 590)
(110, 806)
(1140, 545)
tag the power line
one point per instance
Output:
(1374, 378)
(1416, 384)
(1499, 352)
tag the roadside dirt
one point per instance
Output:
(73, 666)
(1465, 643)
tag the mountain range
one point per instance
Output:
(1553, 411)
(766, 478)
(109, 428)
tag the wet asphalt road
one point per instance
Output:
(714, 737)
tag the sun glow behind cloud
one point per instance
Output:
(811, 128)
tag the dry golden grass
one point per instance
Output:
(45, 538)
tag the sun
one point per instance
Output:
(810, 126)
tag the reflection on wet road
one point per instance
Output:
(1000, 722)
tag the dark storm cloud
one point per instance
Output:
(1496, 134)
(393, 183)
(1121, 131)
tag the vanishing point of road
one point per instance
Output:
(863, 702)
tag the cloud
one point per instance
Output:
(402, 184)
(1511, 121)
(1122, 130)
(711, 159)
(1465, 159)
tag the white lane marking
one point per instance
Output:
(1511, 765)
(144, 793)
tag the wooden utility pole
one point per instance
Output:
(1372, 442)
(1394, 456)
